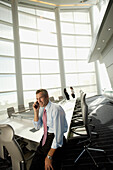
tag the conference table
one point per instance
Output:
(22, 123)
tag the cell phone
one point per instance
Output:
(36, 105)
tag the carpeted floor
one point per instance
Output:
(101, 111)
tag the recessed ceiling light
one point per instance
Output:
(98, 48)
(109, 29)
(103, 41)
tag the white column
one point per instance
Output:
(98, 80)
(20, 99)
(60, 50)
(94, 18)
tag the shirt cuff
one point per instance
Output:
(55, 145)
(36, 124)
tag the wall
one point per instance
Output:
(107, 57)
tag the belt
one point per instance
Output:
(48, 133)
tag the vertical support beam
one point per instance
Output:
(60, 50)
(94, 19)
(14, 4)
(98, 80)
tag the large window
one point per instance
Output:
(39, 57)
(39, 52)
(8, 94)
(76, 41)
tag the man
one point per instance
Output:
(52, 116)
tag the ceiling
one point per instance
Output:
(103, 36)
(63, 4)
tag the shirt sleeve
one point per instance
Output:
(37, 125)
(59, 127)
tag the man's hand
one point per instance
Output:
(48, 164)
(36, 112)
(36, 106)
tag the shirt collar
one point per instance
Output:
(48, 105)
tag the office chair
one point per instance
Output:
(87, 141)
(7, 140)
(77, 117)
(53, 100)
(10, 111)
(31, 105)
(77, 121)
(78, 105)
(84, 115)
(60, 98)
(79, 98)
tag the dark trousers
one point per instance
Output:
(38, 162)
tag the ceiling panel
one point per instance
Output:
(61, 3)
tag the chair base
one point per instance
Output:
(87, 149)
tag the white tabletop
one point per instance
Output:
(22, 124)
(22, 128)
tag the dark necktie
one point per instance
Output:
(45, 127)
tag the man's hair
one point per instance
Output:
(45, 93)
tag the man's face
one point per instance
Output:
(42, 100)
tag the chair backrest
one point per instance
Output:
(21, 107)
(85, 114)
(60, 98)
(10, 111)
(81, 98)
(31, 105)
(8, 141)
(81, 93)
(51, 99)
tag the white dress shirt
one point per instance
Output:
(56, 122)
